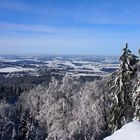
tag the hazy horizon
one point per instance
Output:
(56, 55)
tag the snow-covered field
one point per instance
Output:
(71, 65)
(15, 69)
(2, 59)
(94, 66)
(130, 131)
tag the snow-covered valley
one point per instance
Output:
(72, 65)
(68, 98)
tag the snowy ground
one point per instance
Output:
(84, 65)
(78, 65)
(14, 69)
(130, 131)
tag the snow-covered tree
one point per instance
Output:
(136, 103)
(23, 128)
(121, 87)
(13, 133)
(136, 94)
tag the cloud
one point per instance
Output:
(48, 30)
(27, 28)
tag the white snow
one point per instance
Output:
(130, 131)
(15, 69)
(138, 89)
(55, 63)
(93, 66)
(8, 60)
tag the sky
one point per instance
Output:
(86, 27)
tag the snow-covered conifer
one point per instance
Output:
(121, 87)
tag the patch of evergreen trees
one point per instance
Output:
(121, 87)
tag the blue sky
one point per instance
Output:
(69, 26)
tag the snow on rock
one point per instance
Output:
(130, 131)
